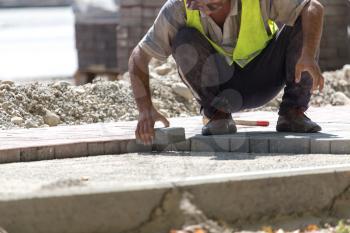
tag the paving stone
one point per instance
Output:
(320, 146)
(112, 148)
(131, 146)
(37, 154)
(162, 148)
(292, 145)
(239, 144)
(210, 144)
(71, 150)
(340, 147)
(259, 145)
(167, 136)
(10, 156)
(337, 129)
(182, 146)
(96, 148)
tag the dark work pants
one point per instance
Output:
(219, 86)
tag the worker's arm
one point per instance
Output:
(139, 76)
(312, 21)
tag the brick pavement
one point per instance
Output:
(117, 138)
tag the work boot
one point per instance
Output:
(221, 123)
(296, 121)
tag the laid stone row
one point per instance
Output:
(170, 138)
(272, 144)
(75, 150)
(173, 139)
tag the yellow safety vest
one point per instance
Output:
(252, 38)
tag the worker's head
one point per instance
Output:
(206, 6)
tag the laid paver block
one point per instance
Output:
(10, 156)
(112, 148)
(71, 150)
(340, 147)
(210, 144)
(131, 146)
(290, 145)
(182, 146)
(37, 154)
(259, 145)
(179, 146)
(239, 144)
(96, 148)
(319, 146)
(161, 148)
(167, 136)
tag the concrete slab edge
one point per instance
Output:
(230, 198)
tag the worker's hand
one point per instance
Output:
(145, 127)
(306, 64)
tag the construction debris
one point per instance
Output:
(36, 104)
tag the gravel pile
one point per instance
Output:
(37, 104)
(336, 91)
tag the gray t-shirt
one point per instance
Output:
(172, 17)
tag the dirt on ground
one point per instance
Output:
(39, 104)
(195, 221)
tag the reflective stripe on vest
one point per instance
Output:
(252, 38)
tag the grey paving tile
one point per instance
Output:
(259, 145)
(182, 146)
(239, 144)
(340, 146)
(320, 146)
(166, 136)
(96, 148)
(161, 148)
(10, 156)
(112, 147)
(131, 146)
(292, 145)
(37, 154)
(210, 144)
(71, 150)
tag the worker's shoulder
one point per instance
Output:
(174, 10)
(174, 5)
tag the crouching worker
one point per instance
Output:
(233, 56)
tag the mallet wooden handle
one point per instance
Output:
(252, 123)
(243, 122)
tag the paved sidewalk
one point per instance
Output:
(102, 203)
(117, 138)
(45, 196)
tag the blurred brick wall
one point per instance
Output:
(34, 3)
(97, 46)
(335, 44)
(109, 44)
(136, 17)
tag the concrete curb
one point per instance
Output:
(248, 197)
